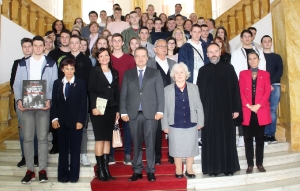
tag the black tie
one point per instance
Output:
(67, 88)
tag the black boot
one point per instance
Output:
(106, 160)
(101, 175)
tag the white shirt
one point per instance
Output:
(65, 81)
(198, 62)
(35, 72)
(239, 60)
(163, 64)
(92, 41)
(108, 76)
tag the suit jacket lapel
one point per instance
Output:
(101, 74)
(136, 78)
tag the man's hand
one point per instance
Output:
(235, 115)
(55, 124)
(199, 127)
(47, 105)
(158, 116)
(96, 112)
(125, 118)
(78, 126)
(166, 131)
(20, 106)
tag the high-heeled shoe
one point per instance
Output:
(178, 175)
(190, 175)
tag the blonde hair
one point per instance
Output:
(48, 37)
(183, 36)
(176, 66)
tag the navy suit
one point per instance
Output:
(69, 111)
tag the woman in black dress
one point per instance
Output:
(103, 83)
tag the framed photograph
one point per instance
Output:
(34, 94)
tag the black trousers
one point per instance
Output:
(69, 138)
(254, 130)
(158, 142)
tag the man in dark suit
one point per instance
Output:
(178, 9)
(142, 104)
(164, 65)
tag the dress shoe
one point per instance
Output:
(54, 150)
(179, 175)
(249, 169)
(213, 175)
(135, 176)
(228, 173)
(261, 168)
(64, 181)
(73, 181)
(190, 175)
(151, 177)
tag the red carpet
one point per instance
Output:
(165, 178)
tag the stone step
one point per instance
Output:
(274, 173)
(280, 185)
(270, 159)
(14, 183)
(14, 155)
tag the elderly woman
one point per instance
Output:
(255, 93)
(184, 117)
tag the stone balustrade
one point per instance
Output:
(243, 15)
(28, 15)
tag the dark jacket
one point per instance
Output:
(100, 87)
(72, 110)
(13, 72)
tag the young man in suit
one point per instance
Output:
(142, 104)
(164, 65)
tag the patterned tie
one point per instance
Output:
(67, 88)
(140, 82)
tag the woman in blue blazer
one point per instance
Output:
(68, 114)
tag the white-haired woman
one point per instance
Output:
(184, 117)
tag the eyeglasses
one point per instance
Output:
(178, 33)
(161, 47)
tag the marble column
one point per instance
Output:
(203, 8)
(72, 10)
(286, 43)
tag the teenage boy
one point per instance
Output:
(171, 25)
(138, 11)
(36, 67)
(179, 21)
(85, 31)
(254, 31)
(157, 33)
(26, 44)
(275, 67)
(114, 7)
(118, 25)
(239, 60)
(144, 36)
(122, 62)
(205, 41)
(103, 17)
(131, 31)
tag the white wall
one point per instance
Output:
(10, 46)
(264, 27)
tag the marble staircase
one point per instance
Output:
(283, 171)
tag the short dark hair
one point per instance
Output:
(67, 61)
(103, 11)
(116, 4)
(23, 40)
(246, 31)
(178, 4)
(157, 19)
(179, 15)
(137, 8)
(200, 18)
(252, 28)
(132, 12)
(118, 9)
(212, 21)
(38, 38)
(144, 28)
(54, 23)
(203, 25)
(265, 36)
(65, 31)
(117, 35)
(252, 52)
(93, 12)
(141, 48)
(195, 25)
(170, 19)
(76, 36)
(48, 32)
(213, 43)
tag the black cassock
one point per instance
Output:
(220, 96)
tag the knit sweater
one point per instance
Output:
(274, 66)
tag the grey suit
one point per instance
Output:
(142, 123)
(196, 109)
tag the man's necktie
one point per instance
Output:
(67, 88)
(140, 82)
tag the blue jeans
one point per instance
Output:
(274, 100)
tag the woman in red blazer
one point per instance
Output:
(255, 88)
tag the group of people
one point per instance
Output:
(170, 74)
